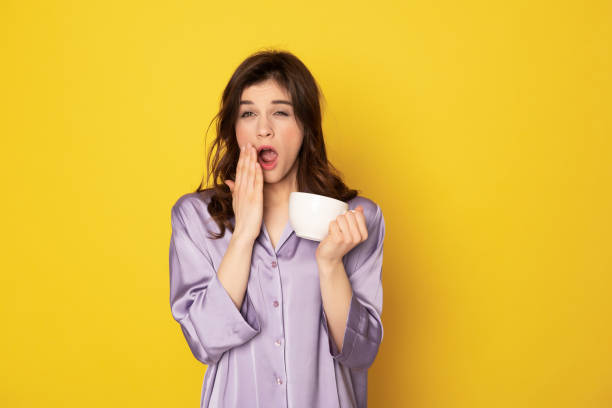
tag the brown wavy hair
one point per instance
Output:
(315, 173)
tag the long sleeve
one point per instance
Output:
(364, 330)
(208, 317)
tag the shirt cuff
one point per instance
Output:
(354, 327)
(222, 318)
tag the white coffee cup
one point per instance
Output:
(310, 214)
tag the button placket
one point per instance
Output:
(278, 342)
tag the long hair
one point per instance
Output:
(315, 174)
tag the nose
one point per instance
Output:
(264, 129)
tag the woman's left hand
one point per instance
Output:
(345, 232)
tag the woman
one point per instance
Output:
(281, 321)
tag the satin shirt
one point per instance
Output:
(276, 350)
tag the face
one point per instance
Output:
(266, 117)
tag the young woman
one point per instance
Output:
(281, 321)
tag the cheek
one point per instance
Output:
(242, 133)
(293, 137)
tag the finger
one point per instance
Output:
(239, 169)
(251, 169)
(351, 218)
(344, 227)
(258, 177)
(334, 231)
(361, 222)
(244, 174)
(230, 184)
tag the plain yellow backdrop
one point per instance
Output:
(481, 128)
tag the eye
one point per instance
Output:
(247, 114)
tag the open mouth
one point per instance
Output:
(267, 157)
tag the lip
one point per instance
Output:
(267, 166)
(263, 164)
(260, 148)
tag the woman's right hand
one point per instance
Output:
(247, 194)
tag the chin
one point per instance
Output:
(274, 177)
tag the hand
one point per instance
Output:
(247, 194)
(345, 232)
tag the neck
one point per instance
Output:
(277, 194)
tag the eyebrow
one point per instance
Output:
(247, 102)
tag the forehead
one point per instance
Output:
(266, 90)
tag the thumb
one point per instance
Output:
(230, 184)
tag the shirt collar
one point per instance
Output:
(264, 237)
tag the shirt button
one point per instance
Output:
(275, 303)
(273, 264)
(277, 343)
(279, 381)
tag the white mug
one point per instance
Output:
(310, 214)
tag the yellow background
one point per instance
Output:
(483, 131)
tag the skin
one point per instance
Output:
(263, 122)
(264, 194)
